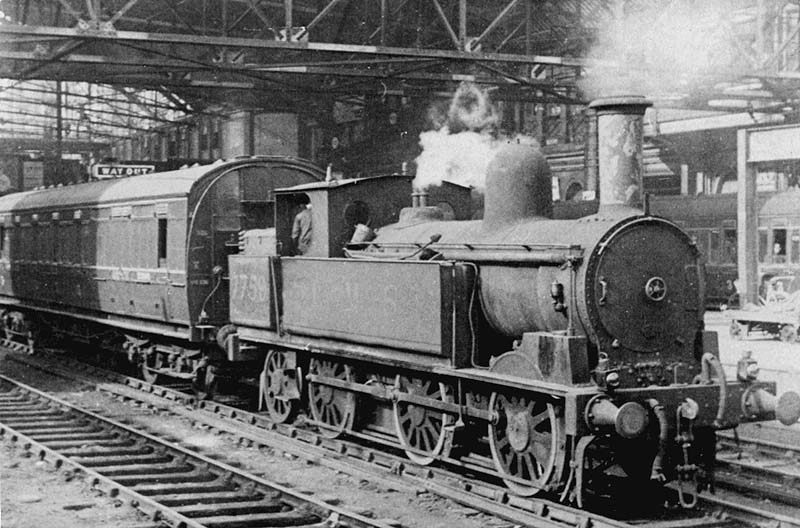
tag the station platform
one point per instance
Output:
(779, 361)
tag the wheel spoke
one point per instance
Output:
(332, 407)
(523, 440)
(502, 442)
(539, 418)
(520, 465)
(420, 429)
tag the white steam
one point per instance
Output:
(459, 158)
(464, 142)
(660, 51)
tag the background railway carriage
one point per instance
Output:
(779, 235)
(711, 222)
(139, 262)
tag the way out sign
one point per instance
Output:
(121, 171)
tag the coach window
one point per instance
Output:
(729, 246)
(162, 242)
(779, 246)
(701, 239)
(64, 243)
(794, 246)
(3, 241)
(713, 253)
(258, 202)
(87, 241)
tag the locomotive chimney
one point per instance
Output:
(419, 198)
(619, 151)
(517, 185)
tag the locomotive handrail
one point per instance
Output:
(473, 246)
(555, 254)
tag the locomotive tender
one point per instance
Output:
(560, 352)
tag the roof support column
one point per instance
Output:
(384, 16)
(462, 23)
(287, 10)
(528, 27)
(59, 131)
(747, 221)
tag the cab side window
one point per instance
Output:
(162, 243)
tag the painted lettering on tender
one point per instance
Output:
(250, 287)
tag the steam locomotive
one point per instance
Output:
(563, 351)
(556, 355)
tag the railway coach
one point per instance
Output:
(136, 264)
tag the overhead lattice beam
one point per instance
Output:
(322, 47)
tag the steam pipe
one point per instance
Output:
(484, 256)
(709, 360)
(657, 471)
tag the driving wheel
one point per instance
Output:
(279, 390)
(524, 442)
(424, 433)
(333, 409)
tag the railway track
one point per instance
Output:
(759, 467)
(349, 456)
(167, 482)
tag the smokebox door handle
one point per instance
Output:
(603, 291)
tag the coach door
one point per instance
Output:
(226, 223)
(213, 234)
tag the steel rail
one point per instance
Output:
(480, 495)
(149, 470)
(759, 467)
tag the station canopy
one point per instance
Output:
(117, 66)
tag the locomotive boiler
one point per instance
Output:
(567, 353)
(627, 284)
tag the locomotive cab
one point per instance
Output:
(220, 208)
(337, 207)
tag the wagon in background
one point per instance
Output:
(778, 314)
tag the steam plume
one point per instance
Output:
(658, 50)
(462, 144)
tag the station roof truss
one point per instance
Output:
(84, 112)
(286, 54)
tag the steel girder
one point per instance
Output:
(368, 46)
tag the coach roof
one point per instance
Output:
(134, 188)
(158, 185)
(785, 203)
